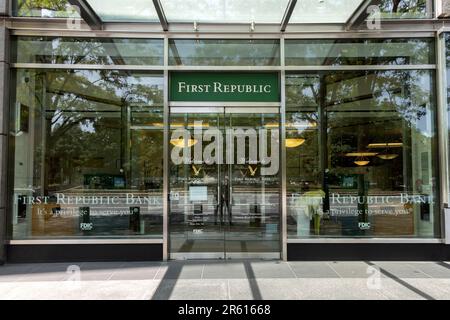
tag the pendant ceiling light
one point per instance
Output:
(181, 143)
(387, 146)
(294, 142)
(362, 161)
(388, 156)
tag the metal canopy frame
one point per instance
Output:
(288, 14)
(94, 21)
(161, 15)
(88, 14)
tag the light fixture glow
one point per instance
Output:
(294, 142)
(388, 156)
(361, 154)
(183, 125)
(294, 125)
(385, 145)
(362, 163)
(181, 143)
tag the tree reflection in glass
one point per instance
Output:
(372, 154)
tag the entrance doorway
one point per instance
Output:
(224, 183)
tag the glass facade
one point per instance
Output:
(43, 8)
(200, 52)
(88, 154)
(350, 121)
(225, 11)
(95, 51)
(360, 144)
(336, 11)
(369, 52)
(366, 166)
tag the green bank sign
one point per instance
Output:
(224, 87)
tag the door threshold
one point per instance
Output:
(228, 256)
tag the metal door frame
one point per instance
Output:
(226, 109)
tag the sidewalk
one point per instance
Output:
(234, 280)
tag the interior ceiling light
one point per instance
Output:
(362, 162)
(294, 142)
(361, 154)
(303, 124)
(181, 143)
(294, 125)
(385, 145)
(272, 125)
(387, 156)
(182, 125)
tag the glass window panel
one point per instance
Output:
(130, 10)
(87, 154)
(43, 8)
(360, 52)
(404, 9)
(365, 161)
(224, 52)
(324, 11)
(219, 11)
(101, 51)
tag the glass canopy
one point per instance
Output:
(123, 11)
(225, 11)
(219, 11)
(324, 11)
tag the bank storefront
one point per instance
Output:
(134, 143)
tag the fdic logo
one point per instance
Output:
(364, 225)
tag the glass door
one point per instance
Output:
(224, 184)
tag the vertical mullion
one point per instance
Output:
(166, 153)
(442, 125)
(283, 152)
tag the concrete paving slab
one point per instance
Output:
(110, 290)
(14, 272)
(242, 280)
(226, 270)
(271, 270)
(192, 290)
(278, 289)
(351, 269)
(400, 289)
(240, 289)
(180, 270)
(338, 289)
(437, 270)
(136, 271)
(313, 270)
(437, 288)
(400, 270)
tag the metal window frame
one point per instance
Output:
(284, 213)
(166, 150)
(43, 25)
(442, 125)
